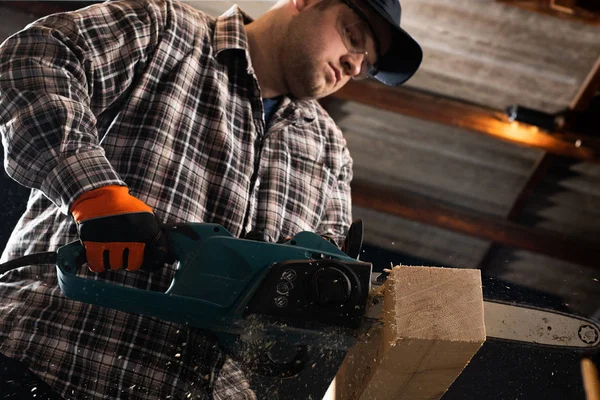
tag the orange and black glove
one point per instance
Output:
(118, 231)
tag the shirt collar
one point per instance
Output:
(299, 112)
(230, 34)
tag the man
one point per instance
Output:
(125, 115)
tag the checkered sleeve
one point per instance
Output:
(337, 217)
(56, 76)
(231, 384)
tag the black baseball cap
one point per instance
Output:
(404, 56)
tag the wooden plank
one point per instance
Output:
(495, 55)
(431, 326)
(460, 114)
(589, 373)
(567, 10)
(494, 229)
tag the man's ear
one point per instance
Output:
(299, 4)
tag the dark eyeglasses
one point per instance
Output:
(355, 39)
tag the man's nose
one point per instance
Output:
(352, 63)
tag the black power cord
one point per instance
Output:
(30, 259)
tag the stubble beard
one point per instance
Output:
(307, 82)
(303, 72)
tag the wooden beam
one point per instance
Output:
(580, 103)
(460, 114)
(432, 325)
(588, 89)
(567, 5)
(538, 171)
(537, 174)
(422, 209)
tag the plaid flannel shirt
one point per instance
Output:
(160, 97)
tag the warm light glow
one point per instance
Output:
(522, 133)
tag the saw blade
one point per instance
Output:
(538, 326)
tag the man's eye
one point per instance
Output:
(355, 37)
(349, 36)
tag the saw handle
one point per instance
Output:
(213, 279)
(71, 257)
(192, 298)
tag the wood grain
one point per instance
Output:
(432, 326)
(421, 209)
(495, 54)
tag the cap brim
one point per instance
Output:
(402, 59)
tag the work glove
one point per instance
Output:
(118, 231)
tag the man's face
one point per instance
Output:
(319, 52)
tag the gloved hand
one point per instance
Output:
(118, 231)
